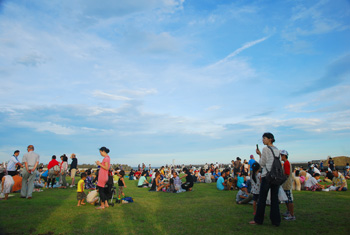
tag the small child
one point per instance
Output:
(312, 183)
(81, 196)
(88, 181)
(243, 197)
(255, 181)
(121, 184)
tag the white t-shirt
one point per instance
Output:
(310, 182)
(316, 170)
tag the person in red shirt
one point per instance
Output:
(52, 174)
(287, 186)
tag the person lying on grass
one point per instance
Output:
(312, 183)
(81, 196)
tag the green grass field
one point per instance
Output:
(205, 210)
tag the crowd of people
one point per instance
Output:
(248, 177)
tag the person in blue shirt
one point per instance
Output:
(220, 183)
(216, 175)
(12, 164)
(241, 181)
(251, 162)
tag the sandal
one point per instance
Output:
(252, 222)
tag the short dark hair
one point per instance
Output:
(316, 174)
(83, 175)
(122, 173)
(17, 151)
(269, 136)
(104, 149)
(53, 156)
(30, 147)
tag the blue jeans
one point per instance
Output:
(275, 216)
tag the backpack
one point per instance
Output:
(276, 176)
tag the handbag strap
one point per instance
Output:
(273, 153)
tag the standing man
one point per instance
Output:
(73, 168)
(251, 162)
(12, 165)
(287, 186)
(31, 161)
(331, 164)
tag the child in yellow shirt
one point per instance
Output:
(81, 196)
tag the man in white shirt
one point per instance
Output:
(12, 164)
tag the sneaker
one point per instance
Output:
(325, 190)
(290, 218)
(286, 214)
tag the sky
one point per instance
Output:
(162, 80)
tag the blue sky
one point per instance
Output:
(157, 80)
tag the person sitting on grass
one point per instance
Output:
(189, 180)
(6, 184)
(154, 184)
(339, 181)
(329, 176)
(216, 175)
(221, 183)
(177, 181)
(241, 181)
(143, 183)
(89, 181)
(243, 197)
(201, 176)
(81, 196)
(312, 183)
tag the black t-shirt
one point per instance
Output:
(74, 163)
(120, 183)
(329, 175)
(189, 179)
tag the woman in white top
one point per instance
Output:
(266, 161)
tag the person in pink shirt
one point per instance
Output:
(103, 176)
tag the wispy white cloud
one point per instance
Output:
(239, 50)
(104, 95)
(213, 108)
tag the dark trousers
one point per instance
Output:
(52, 181)
(103, 196)
(275, 216)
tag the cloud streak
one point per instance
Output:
(239, 50)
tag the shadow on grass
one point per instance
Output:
(22, 215)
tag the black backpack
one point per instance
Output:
(276, 176)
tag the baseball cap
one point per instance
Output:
(284, 152)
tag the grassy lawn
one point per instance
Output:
(205, 210)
